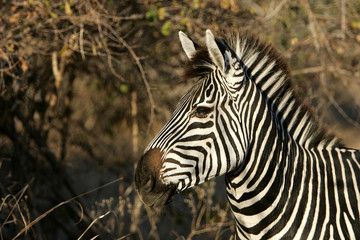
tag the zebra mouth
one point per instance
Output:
(152, 190)
(157, 195)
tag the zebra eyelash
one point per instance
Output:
(200, 111)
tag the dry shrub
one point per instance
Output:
(84, 85)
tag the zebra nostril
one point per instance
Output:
(147, 171)
(149, 185)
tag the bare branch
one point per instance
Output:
(275, 11)
(343, 18)
(81, 41)
(143, 75)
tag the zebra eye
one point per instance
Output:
(202, 112)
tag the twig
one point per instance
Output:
(257, 9)
(123, 237)
(56, 70)
(308, 70)
(222, 222)
(200, 231)
(81, 41)
(312, 24)
(342, 112)
(275, 11)
(109, 55)
(200, 215)
(343, 18)
(329, 68)
(36, 220)
(92, 223)
(135, 214)
(153, 232)
(15, 205)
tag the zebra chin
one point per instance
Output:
(153, 192)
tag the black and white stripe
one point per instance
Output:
(286, 177)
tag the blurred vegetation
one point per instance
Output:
(85, 85)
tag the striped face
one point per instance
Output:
(204, 137)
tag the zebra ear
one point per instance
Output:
(187, 44)
(214, 51)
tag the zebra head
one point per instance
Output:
(205, 136)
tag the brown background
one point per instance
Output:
(85, 85)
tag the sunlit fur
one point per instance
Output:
(285, 176)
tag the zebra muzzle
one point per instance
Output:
(153, 192)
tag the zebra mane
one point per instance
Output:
(284, 102)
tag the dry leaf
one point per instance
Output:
(224, 4)
(294, 41)
(23, 65)
(15, 17)
(68, 10)
(340, 50)
(161, 13)
(234, 7)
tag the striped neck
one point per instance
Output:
(268, 70)
(249, 186)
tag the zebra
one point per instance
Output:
(286, 176)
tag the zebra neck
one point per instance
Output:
(258, 190)
(271, 75)
(252, 189)
(254, 192)
(265, 156)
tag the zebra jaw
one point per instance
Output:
(153, 192)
